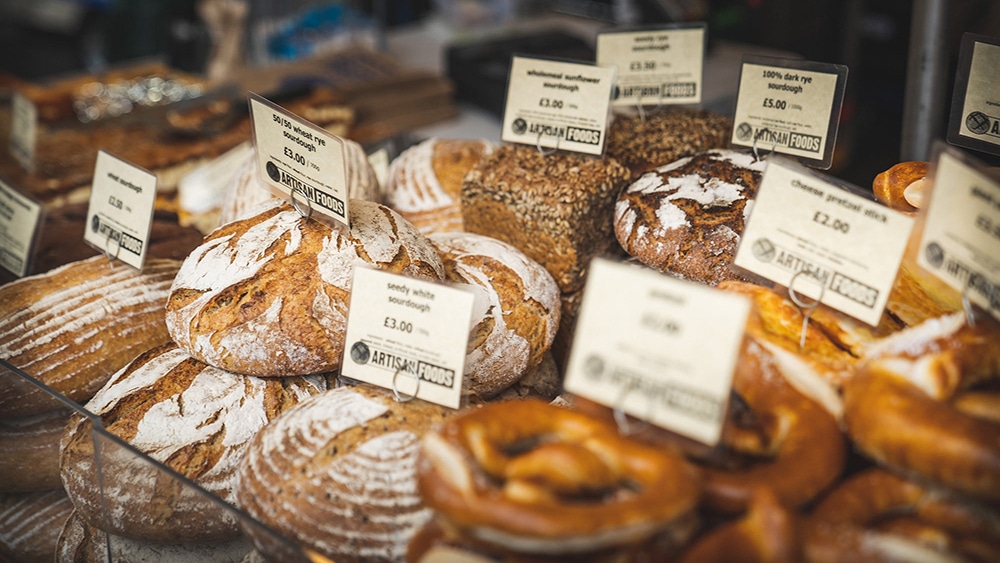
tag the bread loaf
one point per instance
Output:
(686, 218)
(643, 143)
(517, 322)
(30, 446)
(268, 295)
(425, 181)
(74, 326)
(557, 209)
(30, 524)
(337, 474)
(193, 418)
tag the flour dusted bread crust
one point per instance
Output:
(516, 323)
(425, 181)
(30, 446)
(74, 326)
(661, 137)
(686, 217)
(555, 208)
(337, 474)
(185, 414)
(268, 295)
(30, 524)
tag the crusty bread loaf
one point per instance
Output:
(74, 326)
(30, 524)
(268, 295)
(555, 208)
(337, 472)
(516, 322)
(246, 191)
(30, 446)
(902, 185)
(642, 143)
(686, 218)
(193, 418)
(425, 181)
(79, 542)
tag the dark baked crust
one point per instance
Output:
(662, 137)
(30, 446)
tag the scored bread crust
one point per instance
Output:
(30, 524)
(268, 295)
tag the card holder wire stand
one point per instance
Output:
(107, 250)
(756, 153)
(542, 150)
(400, 397)
(307, 214)
(625, 428)
(807, 309)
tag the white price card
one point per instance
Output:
(823, 241)
(408, 335)
(655, 66)
(19, 218)
(557, 105)
(790, 107)
(975, 112)
(657, 348)
(300, 160)
(961, 236)
(23, 131)
(120, 213)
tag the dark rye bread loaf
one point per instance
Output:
(518, 316)
(194, 419)
(337, 474)
(556, 208)
(30, 524)
(74, 326)
(686, 218)
(30, 451)
(268, 295)
(658, 138)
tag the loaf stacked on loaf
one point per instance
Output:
(30, 446)
(30, 524)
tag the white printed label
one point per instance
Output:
(981, 107)
(18, 222)
(961, 238)
(23, 131)
(657, 348)
(655, 66)
(120, 213)
(557, 105)
(300, 160)
(408, 335)
(823, 241)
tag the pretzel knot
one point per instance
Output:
(536, 478)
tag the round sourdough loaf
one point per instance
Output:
(74, 326)
(268, 295)
(516, 322)
(643, 143)
(193, 418)
(246, 191)
(337, 474)
(30, 524)
(686, 218)
(425, 181)
(30, 446)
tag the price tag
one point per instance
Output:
(557, 105)
(823, 241)
(19, 219)
(408, 335)
(300, 160)
(657, 348)
(23, 131)
(655, 66)
(975, 109)
(961, 237)
(120, 214)
(790, 107)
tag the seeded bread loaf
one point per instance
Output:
(336, 474)
(30, 446)
(268, 295)
(425, 181)
(189, 416)
(557, 208)
(74, 326)
(30, 524)
(686, 218)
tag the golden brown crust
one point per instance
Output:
(30, 524)
(889, 186)
(30, 446)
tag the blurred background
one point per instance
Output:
(42, 39)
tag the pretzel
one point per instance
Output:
(902, 186)
(879, 516)
(537, 478)
(768, 532)
(908, 407)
